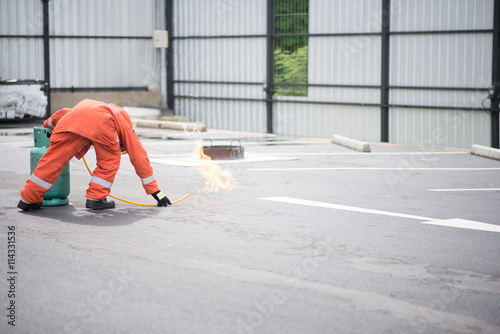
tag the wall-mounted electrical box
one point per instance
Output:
(160, 39)
(491, 92)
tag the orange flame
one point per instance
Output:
(215, 177)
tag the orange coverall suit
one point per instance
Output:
(108, 128)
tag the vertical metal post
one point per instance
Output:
(169, 24)
(270, 64)
(495, 77)
(46, 52)
(385, 67)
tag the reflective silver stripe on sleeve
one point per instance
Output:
(40, 182)
(117, 139)
(83, 146)
(147, 180)
(51, 126)
(101, 182)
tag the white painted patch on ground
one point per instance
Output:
(189, 161)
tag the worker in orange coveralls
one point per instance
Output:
(109, 129)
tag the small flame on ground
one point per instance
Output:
(215, 177)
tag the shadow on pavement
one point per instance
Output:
(83, 216)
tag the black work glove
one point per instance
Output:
(161, 198)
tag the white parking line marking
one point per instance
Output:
(341, 207)
(456, 222)
(463, 223)
(476, 189)
(451, 169)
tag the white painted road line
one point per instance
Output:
(456, 222)
(451, 169)
(467, 224)
(341, 207)
(477, 189)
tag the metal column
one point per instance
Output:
(385, 67)
(270, 65)
(169, 24)
(46, 52)
(495, 77)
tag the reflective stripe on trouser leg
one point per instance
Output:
(108, 162)
(148, 179)
(150, 185)
(40, 182)
(101, 182)
(62, 148)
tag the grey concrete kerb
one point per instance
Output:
(160, 124)
(485, 151)
(16, 132)
(351, 143)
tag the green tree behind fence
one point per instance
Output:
(290, 53)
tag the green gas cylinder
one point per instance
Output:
(58, 193)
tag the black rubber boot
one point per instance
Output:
(99, 204)
(26, 206)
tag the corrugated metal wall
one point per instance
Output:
(440, 55)
(338, 60)
(90, 42)
(21, 58)
(344, 67)
(221, 59)
(100, 61)
(451, 59)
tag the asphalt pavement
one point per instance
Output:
(313, 238)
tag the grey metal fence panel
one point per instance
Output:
(92, 43)
(338, 60)
(119, 63)
(219, 17)
(92, 55)
(340, 16)
(442, 60)
(318, 120)
(21, 58)
(224, 59)
(440, 68)
(438, 15)
(228, 115)
(21, 17)
(214, 64)
(446, 128)
(453, 52)
(348, 60)
(98, 18)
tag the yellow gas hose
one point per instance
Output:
(130, 202)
